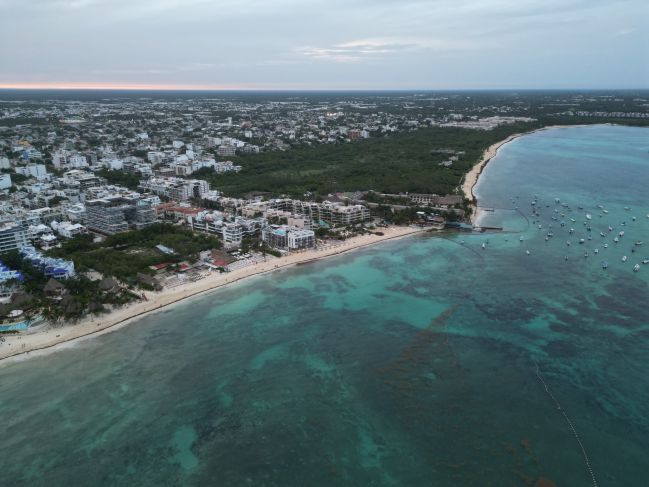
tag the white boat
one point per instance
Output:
(520, 239)
(605, 246)
(581, 240)
(568, 243)
(588, 216)
(624, 258)
(605, 211)
(527, 252)
(636, 268)
(484, 245)
(597, 251)
(586, 255)
(601, 234)
(645, 261)
(638, 242)
(604, 265)
(621, 234)
(610, 228)
(616, 240)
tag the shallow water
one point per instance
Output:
(409, 363)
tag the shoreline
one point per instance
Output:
(43, 341)
(473, 176)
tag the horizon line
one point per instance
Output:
(198, 88)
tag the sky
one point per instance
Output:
(325, 44)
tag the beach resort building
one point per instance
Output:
(285, 237)
(231, 230)
(311, 213)
(57, 268)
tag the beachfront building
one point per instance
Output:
(340, 214)
(7, 274)
(435, 200)
(57, 268)
(285, 237)
(232, 234)
(310, 212)
(301, 239)
(231, 231)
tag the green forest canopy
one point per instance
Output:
(398, 163)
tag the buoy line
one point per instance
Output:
(570, 424)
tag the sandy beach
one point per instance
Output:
(471, 178)
(45, 338)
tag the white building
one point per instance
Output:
(301, 239)
(5, 181)
(176, 188)
(285, 237)
(226, 151)
(113, 164)
(78, 161)
(63, 159)
(13, 237)
(68, 229)
(232, 234)
(37, 171)
(156, 157)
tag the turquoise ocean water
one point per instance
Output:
(422, 361)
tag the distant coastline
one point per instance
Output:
(472, 177)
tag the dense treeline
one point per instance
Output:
(122, 178)
(403, 162)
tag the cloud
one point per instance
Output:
(365, 49)
(624, 32)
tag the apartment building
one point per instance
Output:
(13, 237)
(118, 214)
(176, 188)
(285, 237)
